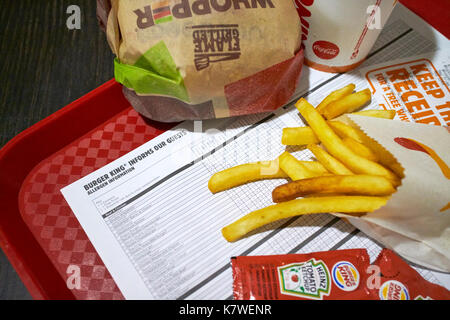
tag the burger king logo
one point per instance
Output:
(345, 276)
(325, 50)
(393, 290)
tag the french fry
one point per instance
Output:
(360, 149)
(346, 104)
(395, 167)
(384, 157)
(245, 173)
(338, 149)
(250, 172)
(328, 161)
(344, 130)
(297, 207)
(293, 167)
(298, 136)
(336, 95)
(315, 166)
(305, 135)
(384, 114)
(348, 185)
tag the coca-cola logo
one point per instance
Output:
(325, 50)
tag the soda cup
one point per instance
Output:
(338, 35)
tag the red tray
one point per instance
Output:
(38, 232)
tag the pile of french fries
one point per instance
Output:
(353, 174)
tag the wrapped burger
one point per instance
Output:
(203, 59)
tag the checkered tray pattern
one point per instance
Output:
(50, 218)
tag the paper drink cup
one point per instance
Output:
(339, 34)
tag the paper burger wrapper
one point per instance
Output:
(415, 222)
(201, 59)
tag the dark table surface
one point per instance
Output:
(44, 66)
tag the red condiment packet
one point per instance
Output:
(330, 275)
(399, 281)
(326, 275)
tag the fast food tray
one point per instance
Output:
(39, 234)
(38, 231)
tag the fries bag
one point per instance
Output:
(415, 222)
(200, 59)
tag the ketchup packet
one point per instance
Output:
(398, 281)
(330, 275)
(326, 275)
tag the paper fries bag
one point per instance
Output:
(416, 220)
(200, 59)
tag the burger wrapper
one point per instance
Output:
(415, 222)
(201, 59)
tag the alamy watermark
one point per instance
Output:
(73, 21)
(74, 277)
(374, 19)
